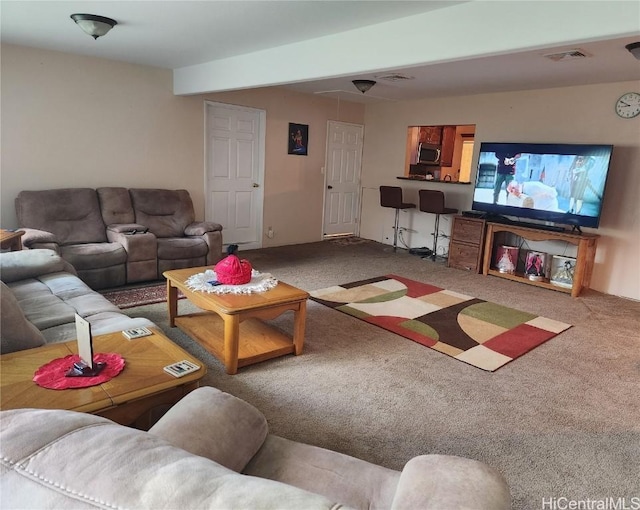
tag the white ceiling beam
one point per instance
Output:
(463, 31)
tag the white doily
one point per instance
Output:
(260, 282)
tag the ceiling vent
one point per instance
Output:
(563, 56)
(394, 77)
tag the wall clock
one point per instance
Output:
(628, 106)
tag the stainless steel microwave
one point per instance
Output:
(429, 154)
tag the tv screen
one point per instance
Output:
(559, 183)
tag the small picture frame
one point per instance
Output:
(507, 259)
(536, 266)
(85, 341)
(562, 271)
(298, 139)
(85, 366)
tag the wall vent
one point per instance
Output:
(563, 56)
(394, 77)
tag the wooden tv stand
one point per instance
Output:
(586, 252)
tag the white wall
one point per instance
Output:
(73, 121)
(294, 185)
(573, 115)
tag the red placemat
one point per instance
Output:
(52, 375)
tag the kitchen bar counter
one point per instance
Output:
(421, 178)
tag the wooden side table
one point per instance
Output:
(127, 399)
(10, 239)
(467, 243)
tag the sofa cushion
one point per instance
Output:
(63, 285)
(33, 237)
(51, 301)
(199, 228)
(16, 332)
(101, 323)
(104, 277)
(235, 430)
(23, 264)
(46, 310)
(94, 255)
(176, 248)
(115, 205)
(165, 212)
(72, 214)
(64, 459)
(355, 482)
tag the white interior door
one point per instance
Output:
(234, 174)
(343, 169)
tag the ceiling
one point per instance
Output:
(179, 34)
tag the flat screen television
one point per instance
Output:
(558, 183)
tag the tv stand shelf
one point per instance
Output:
(586, 247)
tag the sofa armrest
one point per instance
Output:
(34, 236)
(17, 332)
(215, 425)
(444, 481)
(44, 246)
(214, 242)
(141, 247)
(198, 228)
(126, 228)
(19, 265)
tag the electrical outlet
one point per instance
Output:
(387, 235)
(270, 233)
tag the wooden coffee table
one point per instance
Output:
(232, 328)
(10, 239)
(132, 394)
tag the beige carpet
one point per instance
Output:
(562, 421)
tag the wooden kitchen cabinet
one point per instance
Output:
(448, 144)
(431, 135)
(467, 243)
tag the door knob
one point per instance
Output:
(256, 185)
(329, 187)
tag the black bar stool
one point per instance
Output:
(391, 196)
(432, 201)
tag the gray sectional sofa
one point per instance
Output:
(213, 450)
(113, 236)
(40, 293)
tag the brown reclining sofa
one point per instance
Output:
(114, 236)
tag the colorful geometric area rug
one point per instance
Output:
(483, 334)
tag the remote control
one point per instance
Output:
(181, 368)
(134, 333)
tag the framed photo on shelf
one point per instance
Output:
(507, 259)
(298, 139)
(536, 266)
(562, 270)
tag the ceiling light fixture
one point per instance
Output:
(634, 49)
(95, 26)
(363, 85)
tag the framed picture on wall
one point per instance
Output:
(298, 139)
